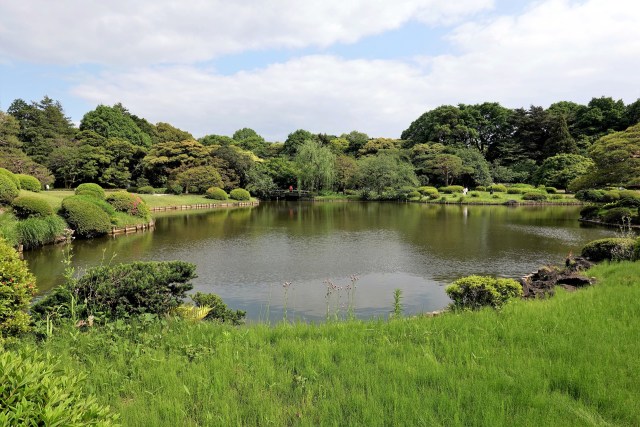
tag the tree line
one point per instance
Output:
(565, 145)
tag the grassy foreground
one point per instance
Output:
(569, 360)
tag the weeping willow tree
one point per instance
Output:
(316, 166)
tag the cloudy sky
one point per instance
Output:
(214, 66)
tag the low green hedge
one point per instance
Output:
(535, 196)
(29, 183)
(28, 206)
(12, 176)
(147, 189)
(216, 193)
(551, 190)
(614, 248)
(86, 216)
(90, 189)
(480, 291)
(589, 212)
(616, 215)
(428, 191)
(8, 189)
(450, 189)
(497, 188)
(240, 194)
(123, 201)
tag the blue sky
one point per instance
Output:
(329, 66)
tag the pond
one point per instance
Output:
(245, 255)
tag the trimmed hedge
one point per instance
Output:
(12, 176)
(85, 216)
(497, 188)
(90, 189)
(216, 193)
(480, 188)
(123, 201)
(240, 194)
(480, 291)
(17, 287)
(612, 249)
(29, 206)
(8, 189)
(147, 189)
(536, 196)
(589, 212)
(551, 190)
(616, 215)
(428, 191)
(29, 183)
(452, 189)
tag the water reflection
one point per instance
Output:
(246, 254)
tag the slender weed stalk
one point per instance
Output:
(286, 286)
(397, 303)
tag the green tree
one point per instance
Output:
(446, 166)
(164, 132)
(222, 140)
(346, 171)
(316, 166)
(356, 139)
(295, 140)
(199, 179)
(283, 171)
(559, 170)
(617, 158)
(386, 170)
(115, 122)
(476, 169)
(9, 131)
(78, 163)
(165, 158)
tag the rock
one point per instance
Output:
(542, 283)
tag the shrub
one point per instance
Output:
(589, 212)
(12, 176)
(216, 193)
(85, 216)
(240, 194)
(219, 310)
(29, 183)
(123, 201)
(479, 291)
(616, 215)
(27, 206)
(90, 189)
(474, 194)
(122, 290)
(498, 188)
(495, 196)
(428, 191)
(517, 190)
(556, 196)
(480, 188)
(628, 202)
(551, 190)
(34, 392)
(8, 230)
(147, 189)
(17, 287)
(175, 189)
(37, 231)
(534, 196)
(8, 189)
(452, 189)
(615, 248)
(414, 195)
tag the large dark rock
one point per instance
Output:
(542, 283)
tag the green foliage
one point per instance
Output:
(8, 230)
(8, 189)
(90, 189)
(29, 183)
(39, 231)
(451, 189)
(615, 157)
(517, 190)
(18, 161)
(17, 287)
(535, 196)
(428, 191)
(123, 201)
(551, 190)
(479, 291)
(87, 216)
(12, 176)
(116, 122)
(612, 249)
(240, 194)
(219, 310)
(316, 166)
(35, 393)
(386, 170)
(480, 188)
(616, 215)
(561, 169)
(589, 212)
(174, 188)
(121, 291)
(498, 188)
(147, 189)
(217, 193)
(198, 179)
(28, 206)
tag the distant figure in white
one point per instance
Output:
(465, 191)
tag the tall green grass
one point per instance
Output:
(8, 230)
(38, 231)
(568, 361)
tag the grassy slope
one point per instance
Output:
(570, 360)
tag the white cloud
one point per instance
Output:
(146, 32)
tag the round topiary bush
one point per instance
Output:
(616, 215)
(124, 201)
(535, 196)
(240, 194)
(628, 202)
(414, 195)
(428, 191)
(29, 183)
(612, 249)
(551, 190)
(17, 287)
(498, 188)
(216, 193)
(480, 188)
(589, 212)
(90, 189)
(8, 189)
(480, 291)
(452, 189)
(147, 189)
(87, 218)
(12, 176)
(27, 206)
(474, 194)
(35, 392)
(517, 190)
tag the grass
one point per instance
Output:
(484, 197)
(568, 361)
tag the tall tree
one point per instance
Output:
(386, 170)
(316, 166)
(115, 122)
(295, 140)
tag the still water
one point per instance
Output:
(246, 254)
